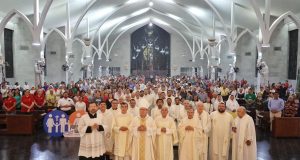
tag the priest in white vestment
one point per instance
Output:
(166, 136)
(205, 123)
(189, 132)
(122, 136)
(177, 111)
(221, 124)
(244, 137)
(133, 109)
(155, 112)
(115, 110)
(91, 132)
(108, 120)
(143, 129)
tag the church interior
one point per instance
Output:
(73, 70)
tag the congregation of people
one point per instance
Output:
(140, 119)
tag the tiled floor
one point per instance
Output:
(41, 147)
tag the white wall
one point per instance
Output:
(54, 62)
(77, 52)
(120, 56)
(277, 61)
(23, 59)
(246, 63)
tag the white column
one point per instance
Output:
(214, 26)
(99, 45)
(193, 57)
(68, 25)
(259, 58)
(36, 18)
(88, 27)
(232, 18)
(267, 13)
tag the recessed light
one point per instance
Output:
(151, 4)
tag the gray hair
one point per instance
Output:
(243, 108)
(199, 103)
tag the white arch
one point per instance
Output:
(260, 19)
(43, 16)
(10, 15)
(184, 38)
(81, 18)
(156, 12)
(124, 5)
(55, 30)
(281, 18)
(115, 40)
(184, 25)
(219, 16)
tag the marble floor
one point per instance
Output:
(41, 147)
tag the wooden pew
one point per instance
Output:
(286, 127)
(18, 124)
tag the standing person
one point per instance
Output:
(39, 100)
(291, 107)
(221, 124)
(122, 136)
(275, 105)
(80, 105)
(133, 109)
(156, 112)
(17, 96)
(51, 100)
(224, 92)
(177, 111)
(244, 137)
(143, 129)
(91, 132)
(115, 108)
(208, 107)
(189, 133)
(27, 102)
(9, 104)
(108, 121)
(26, 86)
(166, 136)
(205, 123)
(232, 105)
(250, 98)
(65, 104)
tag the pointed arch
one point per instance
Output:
(10, 15)
(55, 30)
(81, 17)
(44, 14)
(281, 18)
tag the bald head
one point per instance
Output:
(186, 104)
(200, 107)
(241, 111)
(164, 111)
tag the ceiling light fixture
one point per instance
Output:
(151, 4)
(265, 45)
(150, 24)
(36, 44)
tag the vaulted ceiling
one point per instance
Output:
(187, 16)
